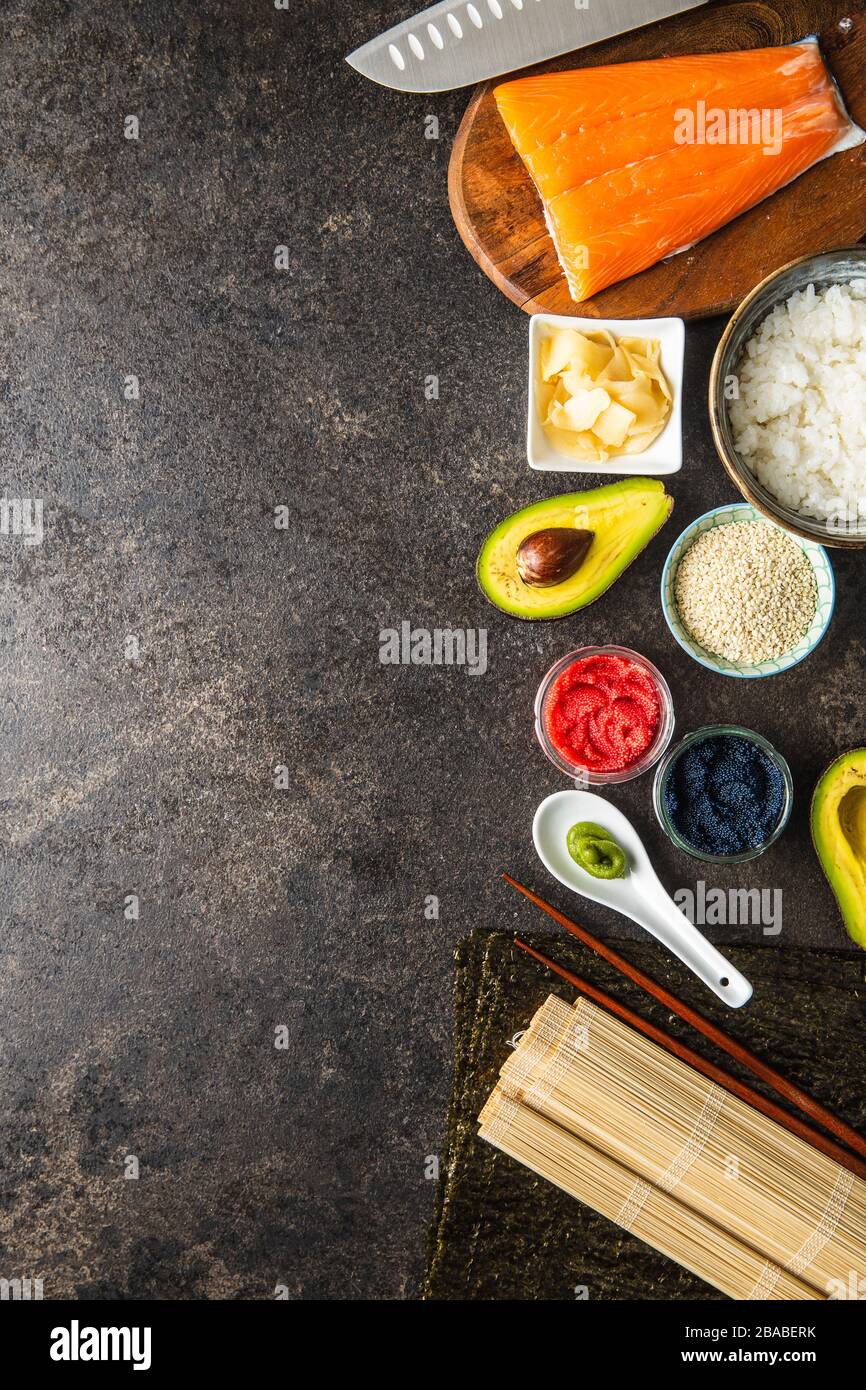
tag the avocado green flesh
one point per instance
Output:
(623, 518)
(839, 835)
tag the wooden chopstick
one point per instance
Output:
(768, 1074)
(706, 1068)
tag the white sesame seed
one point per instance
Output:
(746, 591)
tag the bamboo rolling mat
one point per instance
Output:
(499, 1231)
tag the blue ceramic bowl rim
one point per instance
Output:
(707, 660)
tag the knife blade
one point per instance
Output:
(453, 44)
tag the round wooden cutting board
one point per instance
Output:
(498, 212)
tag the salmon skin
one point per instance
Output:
(637, 161)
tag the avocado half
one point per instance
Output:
(623, 518)
(838, 819)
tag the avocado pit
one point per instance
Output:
(552, 555)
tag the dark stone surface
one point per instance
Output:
(259, 647)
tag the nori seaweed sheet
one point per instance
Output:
(500, 1232)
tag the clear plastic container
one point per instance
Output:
(660, 781)
(585, 777)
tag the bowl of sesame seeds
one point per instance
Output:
(744, 597)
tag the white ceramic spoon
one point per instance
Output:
(639, 895)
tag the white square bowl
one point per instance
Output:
(665, 454)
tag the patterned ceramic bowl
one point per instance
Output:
(823, 571)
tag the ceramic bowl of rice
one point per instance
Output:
(788, 397)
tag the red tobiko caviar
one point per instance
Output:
(602, 713)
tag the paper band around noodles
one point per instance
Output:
(766, 1282)
(811, 1248)
(695, 1144)
(633, 1205)
(561, 1061)
(677, 1169)
(543, 1051)
(826, 1227)
(549, 1030)
(500, 1126)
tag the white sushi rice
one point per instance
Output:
(799, 420)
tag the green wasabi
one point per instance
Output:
(594, 849)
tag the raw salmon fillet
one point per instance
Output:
(637, 161)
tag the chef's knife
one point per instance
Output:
(453, 43)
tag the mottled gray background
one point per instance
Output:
(259, 647)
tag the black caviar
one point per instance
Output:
(724, 795)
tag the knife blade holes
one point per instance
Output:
(474, 16)
(396, 57)
(495, 8)
(454, 26)
(435, 36)
(415, 45)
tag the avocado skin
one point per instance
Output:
(839, 836)
(643, 503)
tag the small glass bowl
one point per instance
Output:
(697, 736)
(585, 777)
